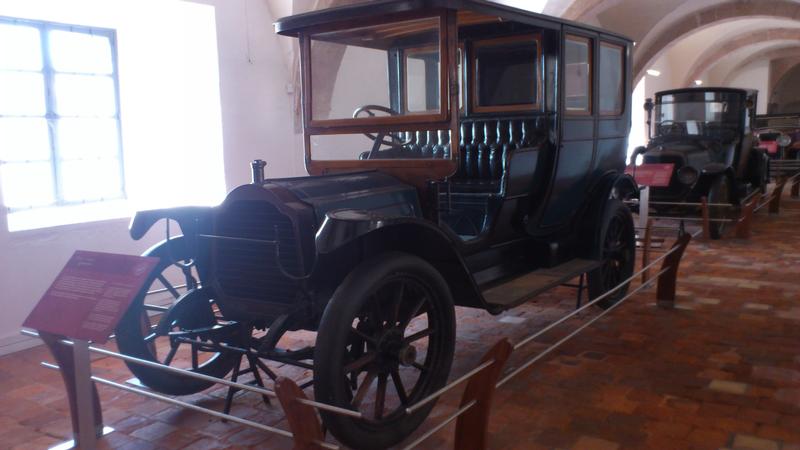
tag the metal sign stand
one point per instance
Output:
(644, 206)
(84, 403)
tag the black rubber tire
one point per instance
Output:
(130, 339)
(615, 245)
(333, 336)
(718, 193)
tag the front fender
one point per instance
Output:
(188, 217)
(361, 233)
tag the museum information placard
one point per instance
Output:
(90, 295)
(655, 175)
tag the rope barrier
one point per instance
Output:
(192, 407)
(409, 410)
(578, 330)
(438, 427)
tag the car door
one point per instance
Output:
(613, 109)
(578, 127)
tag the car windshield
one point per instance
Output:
(386, 79)
(703, 114)
(356, 72)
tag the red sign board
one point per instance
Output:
(655, 175)
(90, 295)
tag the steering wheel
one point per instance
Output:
(380, 138)
(669, 127)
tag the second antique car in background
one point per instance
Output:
(705, 134)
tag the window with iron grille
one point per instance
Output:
(60, 136)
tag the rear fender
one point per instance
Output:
(710, 173)
(613, 185)
(343, 244)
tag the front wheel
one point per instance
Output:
(175, 322)
(616, 246)
(719, 196)
(385, 341)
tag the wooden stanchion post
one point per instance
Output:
(706, 218)
(743, 225)
(303, 420)
(777, 193)
(667, 281)
(472, 426)
(648, 240)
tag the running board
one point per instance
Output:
(521, 289)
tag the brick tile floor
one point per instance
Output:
(722, 370)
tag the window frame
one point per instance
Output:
(623, 74)
(323, 126)
(404, 86)
(589, 111)
(473, 74)
(51, 115)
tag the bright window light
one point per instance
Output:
(65, 159)
(59, 127)
(654, 72)
(26, 53)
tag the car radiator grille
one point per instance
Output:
(249, 269)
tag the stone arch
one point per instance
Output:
(713, 55)
(770, 55)
(656, 45)
(785, 97)
(579, 8)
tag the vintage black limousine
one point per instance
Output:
(461, 153)
(705, 133)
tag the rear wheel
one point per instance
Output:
(616, 247)
(182, 334)
(385, 341)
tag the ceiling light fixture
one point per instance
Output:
(698, 82)
(654, 72)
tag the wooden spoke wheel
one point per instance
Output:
(385, 341)
(175, 322)
(616, 246)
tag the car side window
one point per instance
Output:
(578, 75)
(611, 79)
(506, 72)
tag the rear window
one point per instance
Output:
(506, 75)
(611, 76)
(578, 68)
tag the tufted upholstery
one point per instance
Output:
(423, 145)
(484, 146)
(485, 142)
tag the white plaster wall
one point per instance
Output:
(755, 76)
(255, 83)
(256, 115)
(662, 82)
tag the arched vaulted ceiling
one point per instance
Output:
(709, 40)
(787, 52)
(715, 53)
